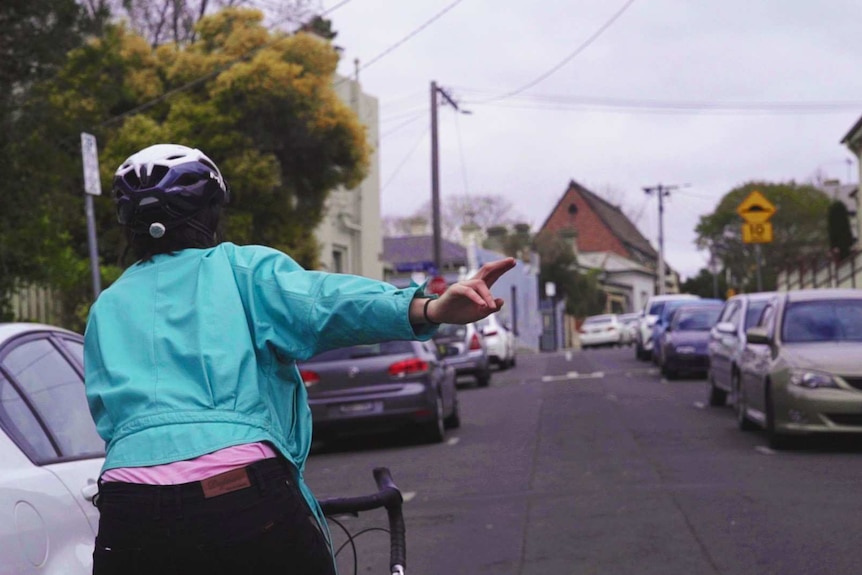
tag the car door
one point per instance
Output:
(755, 365)
(51, 457)
(723, 344)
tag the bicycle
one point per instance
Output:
(388, 496)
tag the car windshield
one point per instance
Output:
(358, 351)
(598, 320)
(825, 320)
(755, 308)
(696, 319)
(655, 309)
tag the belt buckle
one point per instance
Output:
(226, 482)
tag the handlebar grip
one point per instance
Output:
(393, 500)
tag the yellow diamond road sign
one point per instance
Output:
(755, 209)
(757, 233)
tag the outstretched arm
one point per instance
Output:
(466, 301)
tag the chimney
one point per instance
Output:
(418, 226)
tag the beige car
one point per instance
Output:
(801, 368)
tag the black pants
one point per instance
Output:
(264, 528)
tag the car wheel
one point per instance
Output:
(668, 372)
(434, 431)
(512, 361)
(776, 440)
(717, 397)
(739, 406)
(453, 421)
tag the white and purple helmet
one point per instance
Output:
(168, 184)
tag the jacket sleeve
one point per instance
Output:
(307, 312)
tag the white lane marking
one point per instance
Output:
(568, 356)
(453, 441)
(574, 375)
(764, 450)
(408, 495)
(700, 405)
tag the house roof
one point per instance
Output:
(851, 135)
(413, 253)
(613, 218)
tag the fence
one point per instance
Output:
(34, 303)
(823, 274)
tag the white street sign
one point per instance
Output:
(90, 154)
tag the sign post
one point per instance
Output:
(92, 187)
(755, 210)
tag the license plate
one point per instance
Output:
(360, 407)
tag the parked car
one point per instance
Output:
(381, 387)
(801, 368)
(466, 351)
(630, 326)
(499, 341)
(663, 320)
(605, 329)
(727, 340)
(50, 453)
(651, 311)
(684, 342)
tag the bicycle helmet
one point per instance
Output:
(164, 186)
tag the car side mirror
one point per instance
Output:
(725, 327)
(757, 335)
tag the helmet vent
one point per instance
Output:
(187, 180)
(175, 157)
(157, 174)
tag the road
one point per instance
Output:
(589, 463)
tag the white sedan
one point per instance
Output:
(50, 454)
(500, 341)
(603, 329)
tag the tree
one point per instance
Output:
(704, 283)
(840, 234)
(798, 225)
(559, 265)
(457, 210)
(261, 104)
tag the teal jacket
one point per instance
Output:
(196, 351)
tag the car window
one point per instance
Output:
(360, 351)
(766, 316)
(695, 319)
(76, 348)
(752, 314)
(598, 320)
(452, 330)
(56, 392)
(829, 320)
(733, 314)
(22, 426)
(655, 309)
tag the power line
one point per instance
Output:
(406, 158)
(404, 124)
(583, 46)
(410, 35)
(652, 106)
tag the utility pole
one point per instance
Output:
(661, 191)
(435, 172)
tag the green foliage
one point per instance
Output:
(840, 234)
(262, 105)
(704, 283)
(799, 229)
(559, 265)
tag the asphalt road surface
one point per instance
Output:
(588, 462)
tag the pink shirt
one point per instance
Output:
(193, 469)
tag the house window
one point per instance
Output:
(338, 258)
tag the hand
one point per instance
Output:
(470, 300)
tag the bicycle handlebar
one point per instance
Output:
(388, 496)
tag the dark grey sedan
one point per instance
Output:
(382, 387)
(683, 343)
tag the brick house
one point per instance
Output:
(605, 239)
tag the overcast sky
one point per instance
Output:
(612, 116)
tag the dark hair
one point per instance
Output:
(144, 246)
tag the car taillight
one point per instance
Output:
(406, 367)
(475, 343)
(612, 328)
(491, 332)
(309, 378)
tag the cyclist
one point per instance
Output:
(192, 382)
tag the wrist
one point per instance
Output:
(425, 314)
